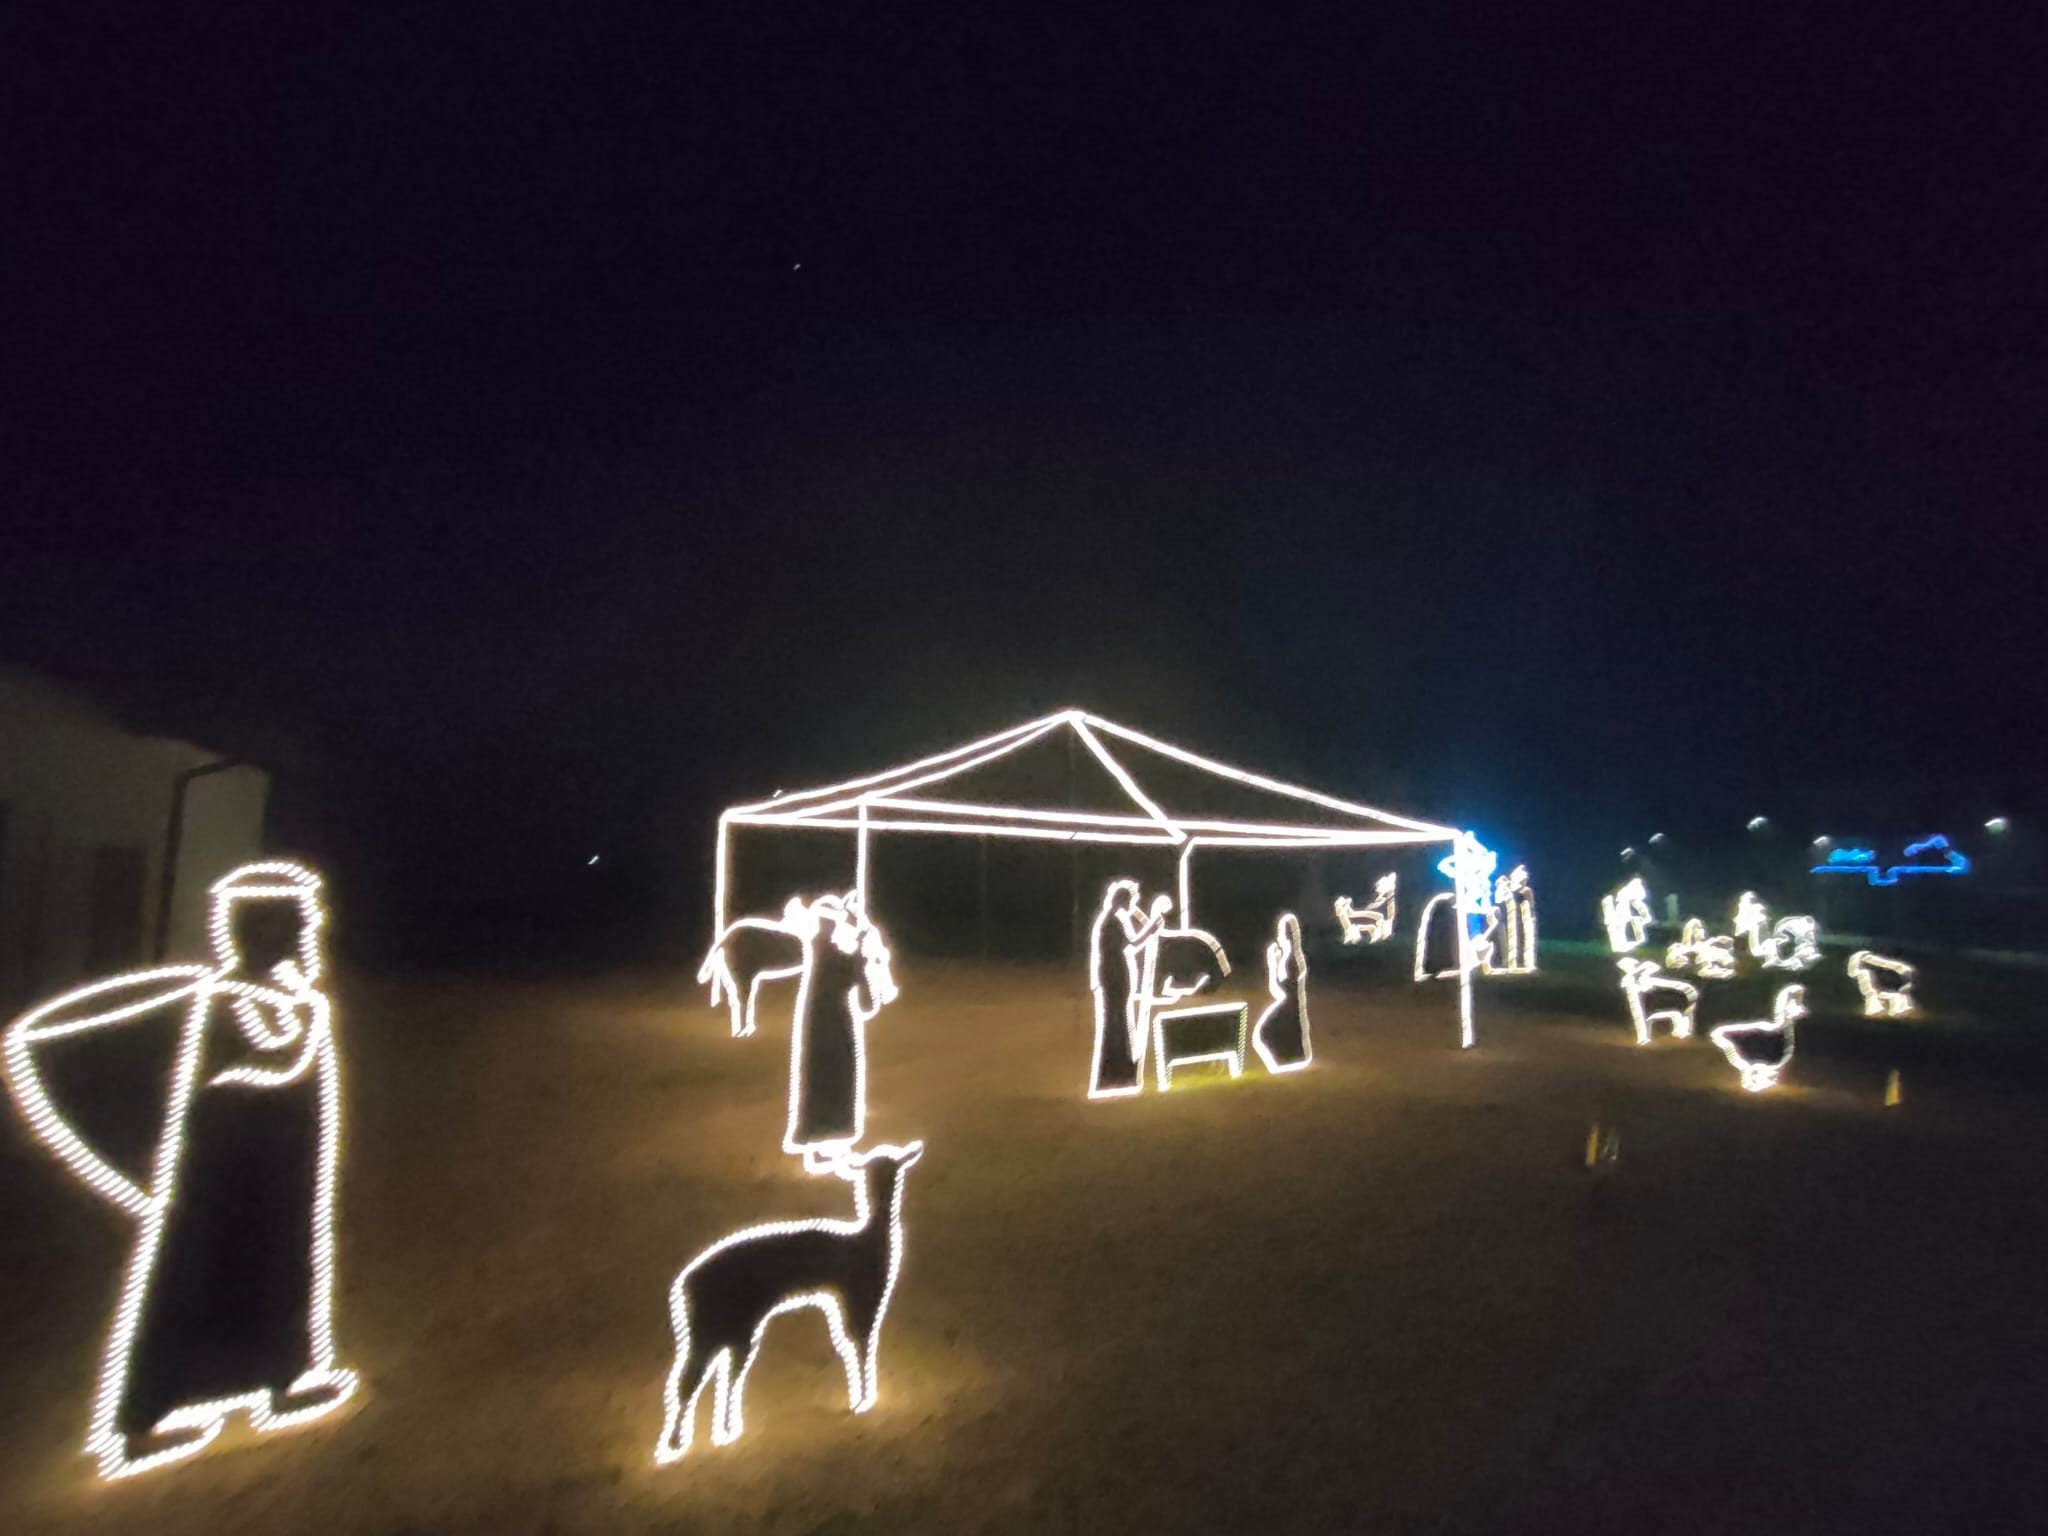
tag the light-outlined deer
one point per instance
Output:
(722, 1303)
(1642, 984)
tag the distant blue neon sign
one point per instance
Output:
(1863, 861)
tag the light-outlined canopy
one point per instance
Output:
(1154, 793)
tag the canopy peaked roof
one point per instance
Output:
(1140, 790)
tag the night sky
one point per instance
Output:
(538, 427)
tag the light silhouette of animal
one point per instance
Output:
(1760, 1049)
(723, 1301)
(1713, 957)
(1375, 922)
(1626, 915)
(1794, 944)
(1886, 985)
(1644, 985)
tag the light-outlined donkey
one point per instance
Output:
(721, 1304)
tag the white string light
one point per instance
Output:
(722, 1302)
(1287, 984)
(1794, 944)
(1643, 985)
(1181, 1038)
(1136, 952)
(1376, 922)
(840, 922)
(1886, 985)
(303, 1026)
(1751, 924)
(1626, 915)
(1422, 970)
(1739, 1041)
(1160, 966)
(1714, 957)
(890, 801)
(1515, 905)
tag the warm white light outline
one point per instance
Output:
(883, 802)
(1794, 944)
(1640, 979)
(1285, 951)
(1166, 1061)
(1422, 970)
(1626, 915)
(1514, 905)
(1751, 924)
(805, 922)
(1886, 985)
(105, 1441)
(1713, 957)
(1143, 943)
(1789, 1005)
(729, 1385)
(1376, 921)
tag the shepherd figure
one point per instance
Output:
(227, 1304)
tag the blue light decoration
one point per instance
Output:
(1863, 861)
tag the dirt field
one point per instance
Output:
(1381, 1295)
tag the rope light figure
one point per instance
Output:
(1375, 923)
(1424, 971)
(1713, 958)
(1514, 904)
(1886, 985)
(721, 1304)
(1750, 1048)
(227, 1301)
(1281, 1036)
(844, 978)
(1207, 1032)
(1122, 953)
(1644, 985)
(1137, 965)
(1751, 924)
(1626, 915)
(1794, 944)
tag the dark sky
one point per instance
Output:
(547, 423)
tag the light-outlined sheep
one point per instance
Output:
(1886, 985)
(723, 1301)
(1794, 944)
(1643, 985)
(1713, 957)
(1375, 922)
(1749, 1045)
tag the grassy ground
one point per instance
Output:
(1380, 1295)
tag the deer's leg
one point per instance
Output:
(726, 1422)
(686, 1382)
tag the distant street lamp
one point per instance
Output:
(1758, 823)
(1998, 824)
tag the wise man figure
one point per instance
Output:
(227, 1304)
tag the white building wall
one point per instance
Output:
(74, 783)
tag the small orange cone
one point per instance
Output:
(1891, 1090)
